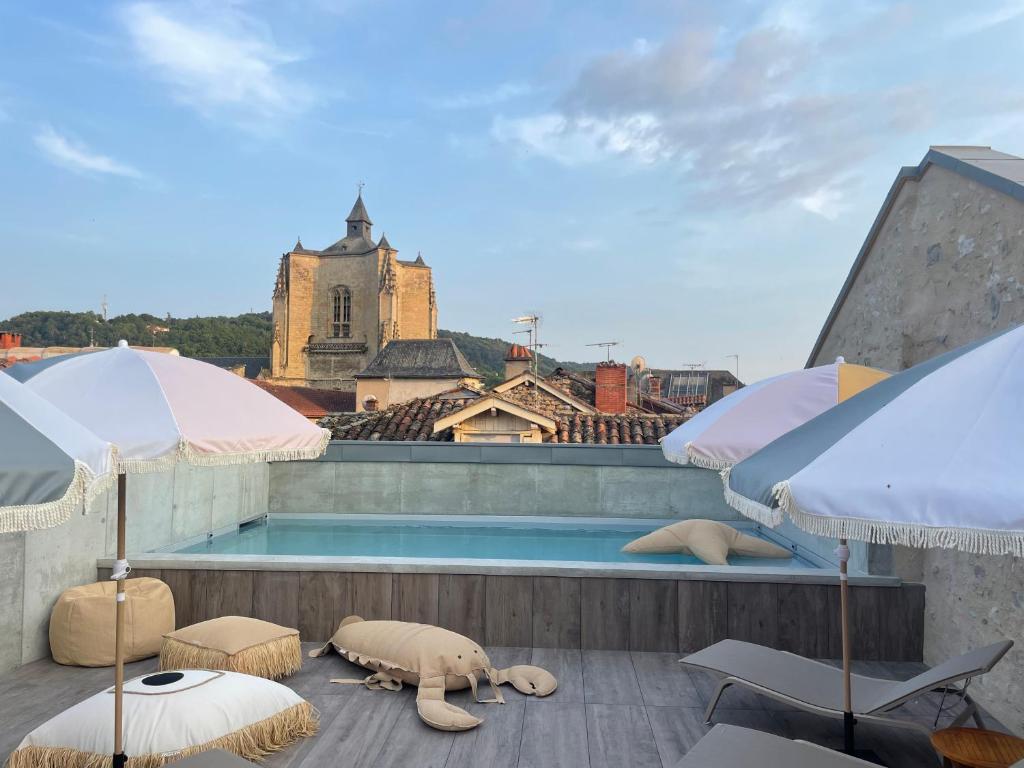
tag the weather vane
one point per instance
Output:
(360, 185)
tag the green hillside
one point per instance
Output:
(488, 356)
(247, 334)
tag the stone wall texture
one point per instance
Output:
(303, 312)
(946, 268)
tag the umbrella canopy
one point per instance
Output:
(159, 408)
(930, 457)
(736, 426)
(49, 463)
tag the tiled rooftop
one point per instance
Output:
(311, 403)
(415, 419)
(419, 358)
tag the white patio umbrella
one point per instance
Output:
(746, 420)
(930, 457)
(159, 409)
(50, 465)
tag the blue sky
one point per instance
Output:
(692, 179)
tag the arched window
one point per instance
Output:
(341, 312)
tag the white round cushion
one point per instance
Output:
(200, 707)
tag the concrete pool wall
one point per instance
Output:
(35, 567)
(354, 477)
(412, 478)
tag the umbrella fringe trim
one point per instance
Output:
(705, 462)
(755, 510)
(252, 742)
(84, 487)
(971, 540)
(191, 456)
(186, 453)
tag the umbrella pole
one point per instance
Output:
(843, 551)
(121, 570)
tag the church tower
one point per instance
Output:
(335, 309)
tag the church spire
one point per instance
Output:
(359, 220)
(384, 244)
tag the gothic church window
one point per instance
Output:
(341, 312)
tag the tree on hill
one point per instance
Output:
(247, 335)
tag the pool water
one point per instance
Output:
(534, 539)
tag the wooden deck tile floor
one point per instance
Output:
(611, 709)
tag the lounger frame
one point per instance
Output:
(877, 716)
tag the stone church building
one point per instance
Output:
(335, 309)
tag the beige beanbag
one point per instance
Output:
(235, 643)
(82, 622)
(433, 659)
(170, 715)
(709, 540)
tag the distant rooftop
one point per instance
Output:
(311, 403)
(414, 421)
(419, 359)
(253, 363)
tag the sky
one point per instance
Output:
(690, 179)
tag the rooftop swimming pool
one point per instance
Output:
(412, 538)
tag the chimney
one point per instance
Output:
(655, 390)
(517, 360)
(610, 396)
(9, 340)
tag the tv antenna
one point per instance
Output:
(737, 359)
(608, 347)
(532, 321)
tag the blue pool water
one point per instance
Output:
(535, 539)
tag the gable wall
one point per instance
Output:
(946, 269)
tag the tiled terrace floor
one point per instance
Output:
(611, 709)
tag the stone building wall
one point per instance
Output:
(946, 268)
(414, 316)
(303, 313)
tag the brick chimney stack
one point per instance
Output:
(518, 360)
(9, 340)
(655, 390)
(610, 395)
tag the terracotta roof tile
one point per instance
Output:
(311, 403)
(414, 421)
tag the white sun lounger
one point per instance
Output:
(729, 746)
(817, 687)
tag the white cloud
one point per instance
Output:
(826, 202)
(754, 118)
(586, 244)
(75, 156)
(489, 98)
(584, 139)
(980, 20)
(217, 60)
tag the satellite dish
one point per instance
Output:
(638, 363)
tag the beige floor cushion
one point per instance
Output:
(433, 659)
(234, 643)
(170, 715)
(82, 622)
(708, 540)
